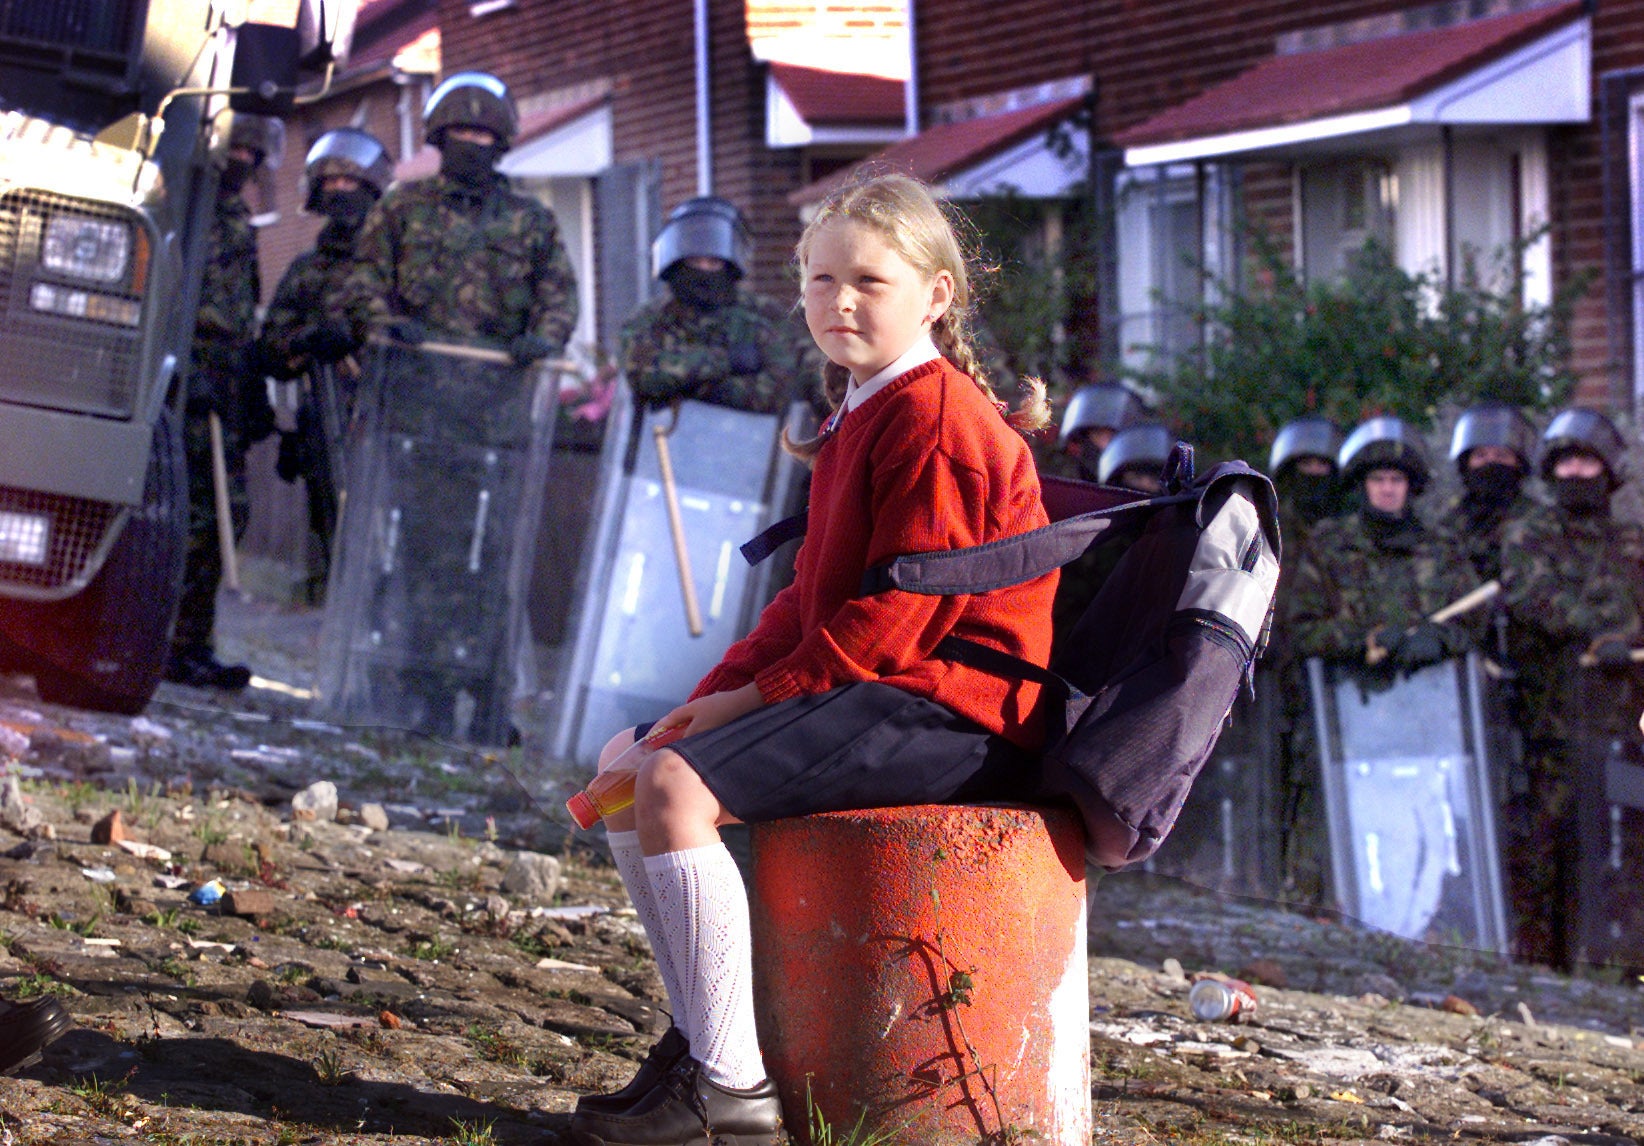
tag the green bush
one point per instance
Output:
(1377, 340)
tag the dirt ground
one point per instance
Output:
(416, 981)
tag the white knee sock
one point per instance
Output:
(704, 909)
(630, 862)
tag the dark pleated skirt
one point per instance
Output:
(860, 746)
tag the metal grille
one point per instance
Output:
(96, 25)
(56, 356)
(76, 531)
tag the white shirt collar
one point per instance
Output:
(922, 351)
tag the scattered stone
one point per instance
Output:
(30, 849)
(532, 876)
(549, 964)
(325, 1020)
(390, 1020)
(249, 903)
(318, 802)
(1172, 968)
(111, 829)
(16, 812)
(1457, 1005)
(1382, 986)
(145, 851)
(147, 733)
(14, 740)
(226, 855)
(374, 816)
(98, 874)
(1264, 973)
(1524, 1014)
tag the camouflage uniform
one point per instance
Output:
(751, 354)
(1477, 530)
(221, 378)
(305, 296)
(479, 267)
(1567, 580)
(1348, 584)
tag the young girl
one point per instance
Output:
(836, 701)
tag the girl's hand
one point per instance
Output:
(704, 714)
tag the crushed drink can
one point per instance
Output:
(1221, 1000)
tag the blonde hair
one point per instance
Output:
(926, 234)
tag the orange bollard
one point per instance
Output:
(921, 973)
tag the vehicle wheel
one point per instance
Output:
(105, 648)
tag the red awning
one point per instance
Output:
(1352, 78)
(823, 97)
(938, 153)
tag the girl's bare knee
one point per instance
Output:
(615, 747)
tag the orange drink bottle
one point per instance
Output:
(612, 790)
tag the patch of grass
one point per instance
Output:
(177, 969)
(36, 985)
(166, 917)
(473, 1134)
(433, 950)
(105, 1096)
(493, 1046)
(82, 928)
(328, 1068)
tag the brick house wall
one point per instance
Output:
(1148, 57)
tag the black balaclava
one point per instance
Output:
(705, 290)
(1489, 489)
(470, 164)
(1583, 497)
(346, 209)
(234, 176)
(1314, 496)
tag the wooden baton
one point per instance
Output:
(676, 527)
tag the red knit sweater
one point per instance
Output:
(925, 464)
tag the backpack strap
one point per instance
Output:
(1010, 560)
(997, 662)
(768, 540)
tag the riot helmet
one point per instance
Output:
(1492, 424)
(704, 227)
(346, 151)
(1580, 428)
(262, 135)
(1099, 406)
(471, 99)
(1384, 442)
(1310, 436)
(1144, 446)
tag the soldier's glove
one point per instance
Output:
(407, 330)
(1420, 645)
(325, 343)
(745, 357)
(289, 463)
(528, 348)
(256, 411)
(1610, 652)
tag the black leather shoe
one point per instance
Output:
(686, 1108)
(26, 1030)
(198, 667)
(659, 1060)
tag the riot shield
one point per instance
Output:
(1227, 835)
(635, 655)
(1610, 835)
(423, 624)
(1410, 801)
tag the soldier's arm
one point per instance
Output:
(665, 358)
(1319, 619)
(288, 315)
(555, 306)
(362, 299)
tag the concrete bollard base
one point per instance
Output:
(920, 973)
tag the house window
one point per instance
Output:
(1172, 229)
(1344, 204)
(1635, 152)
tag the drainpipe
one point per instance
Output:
(910, 90)
(704, 104)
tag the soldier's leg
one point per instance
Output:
(1541, 833)
(203, 565)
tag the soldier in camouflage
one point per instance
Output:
(1302, 464)
(1573, 579)
(223, 381)
(711, 339)
(457, 258)
(461, 257)
(1095, 413)
(345, 173)
(1491, 449)
(1367, 582)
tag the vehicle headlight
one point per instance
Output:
(87, 247)
(23, 537)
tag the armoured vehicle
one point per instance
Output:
(110, 114)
